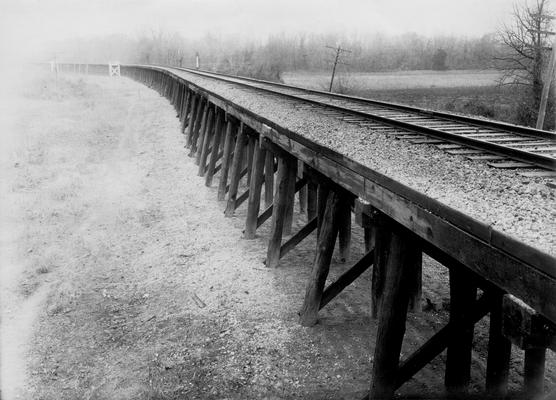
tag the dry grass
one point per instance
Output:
(397, 80)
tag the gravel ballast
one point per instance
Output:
(521, 207)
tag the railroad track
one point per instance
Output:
(501, 145)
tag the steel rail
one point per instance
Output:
(534, 159)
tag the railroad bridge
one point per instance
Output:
(244, 130)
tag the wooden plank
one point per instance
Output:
(298, 237)
(510, 164)
(325, 247)
(533, 174)
(347, 278)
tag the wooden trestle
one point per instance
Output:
(399, 225)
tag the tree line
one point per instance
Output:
(290, 52)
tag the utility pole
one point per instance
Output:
(549, 77)
(197, 61)
(337, 61)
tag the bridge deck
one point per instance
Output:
(517, 206)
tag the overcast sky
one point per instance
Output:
(27, 24)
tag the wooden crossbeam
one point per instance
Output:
(439, 341)
(298, 237)
(267, 213)
(242, 197)
(347, 278)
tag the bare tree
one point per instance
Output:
(525, 52)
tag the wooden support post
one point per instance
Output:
(236, 170)
(268, 179)
(416, 286)
(398, 253)
(499, 352)
(192, 118)
(282, 198)
(288, 220)
(255, 189)
(215, 153)
(186, 119)
(322, 195)
(325, 247)
(267, 213)
(226, 160)
(250, 155)
(344, 233)
(199, 130)
(198, 122)
(364, 215)
(532, 332)
(458, 358)
(303, 190)
(203, 151)
(311, 200)
(533, 371)
(379, 265)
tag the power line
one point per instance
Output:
(337, 61)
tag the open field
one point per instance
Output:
(121, 278)
(395, 80)
(469, 92)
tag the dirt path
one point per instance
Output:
(121, 278)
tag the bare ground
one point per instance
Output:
(121, 278)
